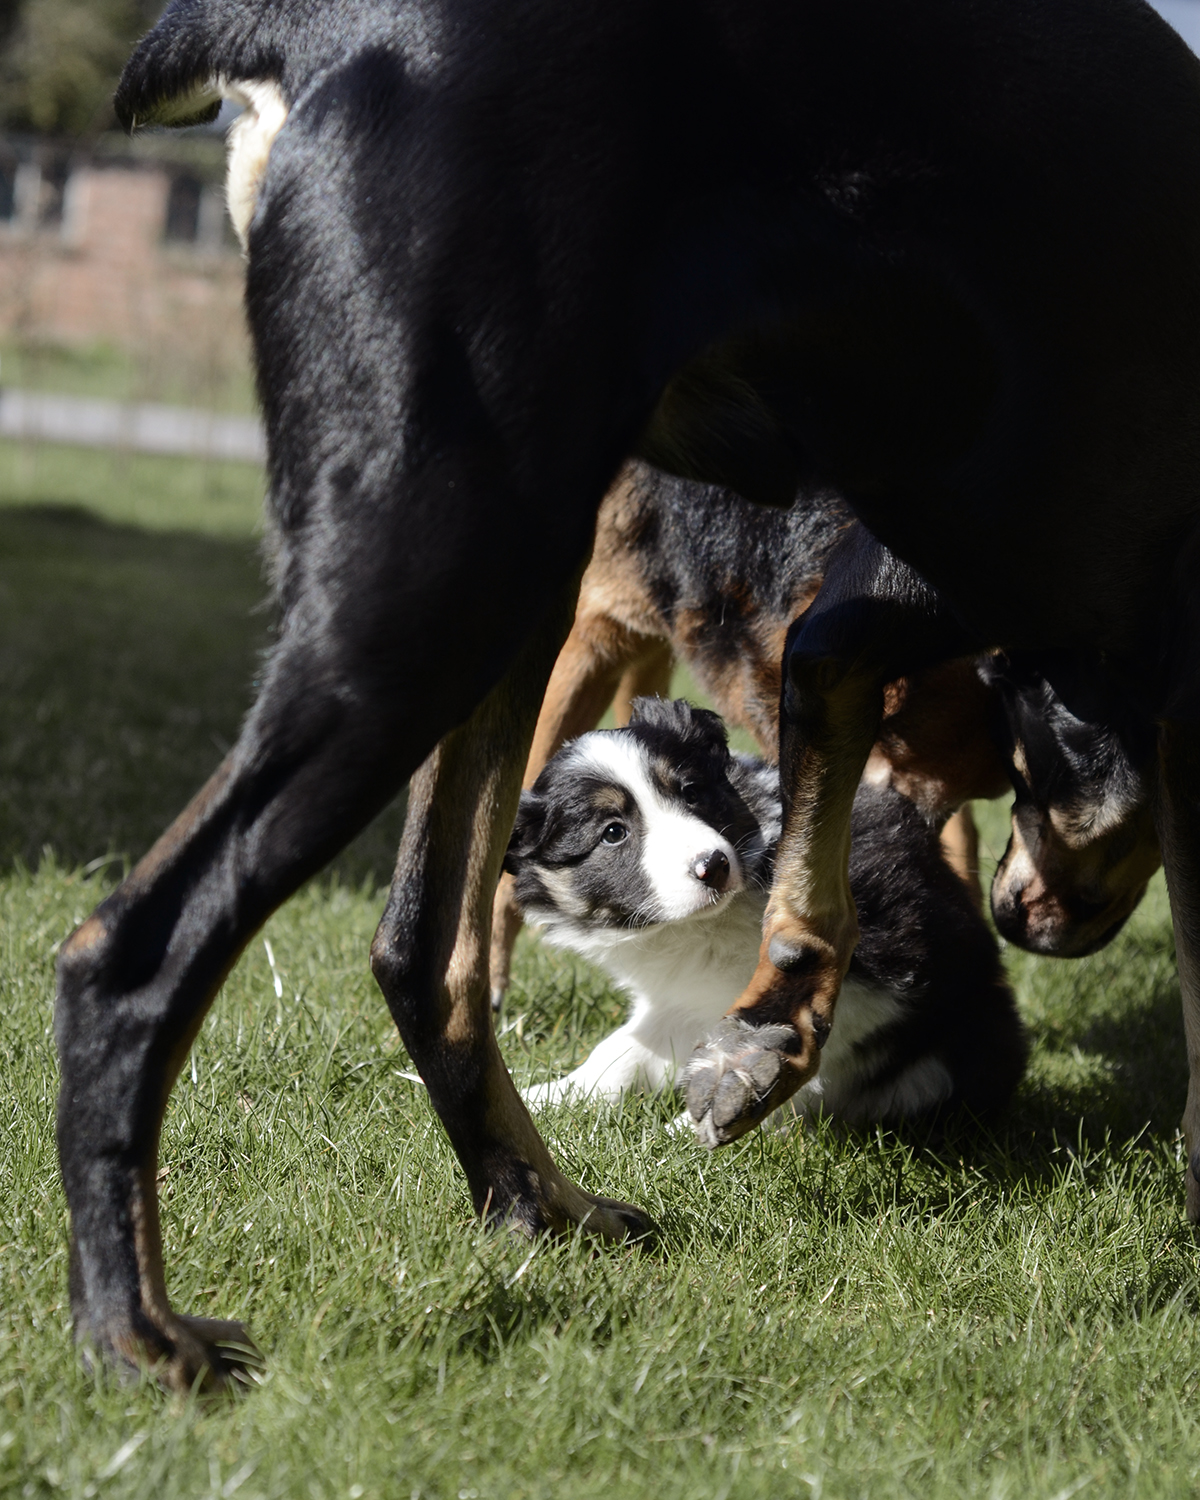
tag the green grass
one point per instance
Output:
(995, 1314)
(180, 376)
(131, 628)
(209, 499)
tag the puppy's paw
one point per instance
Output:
(538, 1094)
(738, 1076)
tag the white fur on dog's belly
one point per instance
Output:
(250, 139)
(682, 978)
(841, 1087)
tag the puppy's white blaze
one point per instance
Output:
(251, 137)
(673, 840)
(674, 844)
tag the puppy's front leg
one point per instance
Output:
(430, 957)
(613, 1067)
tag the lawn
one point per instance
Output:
(1004, 1313)
(213, 373)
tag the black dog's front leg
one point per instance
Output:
(1178, 819)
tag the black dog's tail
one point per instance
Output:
(173, 76)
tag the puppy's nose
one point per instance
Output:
(713, 869)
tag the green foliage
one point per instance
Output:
(62, 61)
(10, 10)
(1004, 1314)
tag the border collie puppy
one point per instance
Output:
(648, 850)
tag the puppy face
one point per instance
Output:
(628, 828)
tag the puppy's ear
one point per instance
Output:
(527, 831)
(678, 716)
(708, 729)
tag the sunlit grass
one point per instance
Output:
(1005, 1313)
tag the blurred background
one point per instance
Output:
(119, 276)
(132, 623)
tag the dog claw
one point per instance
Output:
(622, 1222)
(574, 1212)
(190, 1353)
(228, 1343)
(738, 1076)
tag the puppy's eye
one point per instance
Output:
(615, 833)
(690, 794)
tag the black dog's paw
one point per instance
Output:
(616, 1221)
(738, 1076)
(184, 1353)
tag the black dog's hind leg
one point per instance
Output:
(316, 759)
(873, 620)
(1179, 834)
(445, 408)
(329, 742)
(430, 956)
(348, 710)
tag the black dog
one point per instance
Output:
(946, 256)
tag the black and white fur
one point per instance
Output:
(648, 851)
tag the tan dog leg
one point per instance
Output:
(871, 619)
(769, 1043)
(430, 958)
(647, 677)
(960, 849)
(599, 658)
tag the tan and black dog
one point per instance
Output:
(696, 573)
(944, 257)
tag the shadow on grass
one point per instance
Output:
(1107, 1031)
(127, 658)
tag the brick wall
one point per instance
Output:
(101, 272)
